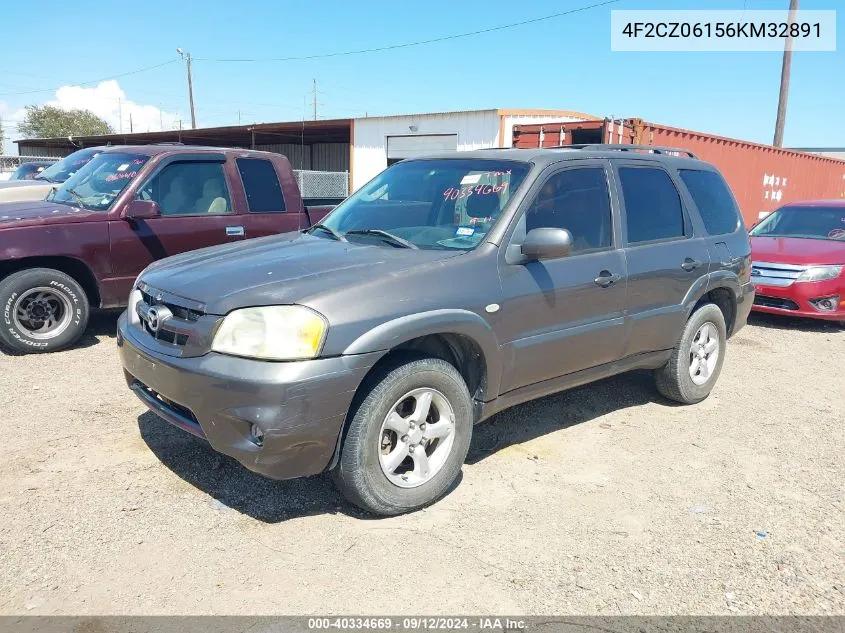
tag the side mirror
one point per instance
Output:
(141, 210)
(546, 243)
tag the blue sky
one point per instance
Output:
(563, 63)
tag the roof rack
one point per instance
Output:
(654, 149)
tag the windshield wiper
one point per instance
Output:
(394, 239)
(339, 237)
(78, 198)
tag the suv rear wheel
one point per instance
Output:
(41, 310)
(407, 439)
(697, 359)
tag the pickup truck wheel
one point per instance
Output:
(41, 310)
(407, 439)
(697, 359)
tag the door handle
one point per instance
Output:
(606, 278)
(234, 231)
(690, 264)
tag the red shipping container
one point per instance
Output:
(762, 177)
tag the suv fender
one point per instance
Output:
(392, 333)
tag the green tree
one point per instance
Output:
(49, 121)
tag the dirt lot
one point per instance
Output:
(605, 499)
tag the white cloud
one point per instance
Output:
(108, 101)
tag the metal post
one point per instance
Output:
(784, 80)
(191, 94)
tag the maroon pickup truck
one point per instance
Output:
(84, 245)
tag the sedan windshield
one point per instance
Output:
(433, 204)
(98, 183)
(68, 166)
(819, 223)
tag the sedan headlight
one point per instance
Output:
(820, 273)
(271, 333)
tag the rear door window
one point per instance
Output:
(713, 199)
(652, 205)
(263, 191)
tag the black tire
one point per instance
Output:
(70, 299)
(359, 475)
(673, 379)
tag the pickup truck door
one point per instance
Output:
(195, 195)
(272, 203)
(560, 316)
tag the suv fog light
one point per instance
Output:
(825, 304)
(256, 435)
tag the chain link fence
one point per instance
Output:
(8, 163)
(322, 184)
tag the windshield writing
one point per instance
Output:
(98, 183)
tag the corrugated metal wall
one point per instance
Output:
(37, 150)
(318, 157)
(330, 157)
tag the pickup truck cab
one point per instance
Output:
(129, 206)
(445, 290)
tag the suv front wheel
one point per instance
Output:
(697, 359)
(407, 439)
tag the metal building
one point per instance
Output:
(362, 147)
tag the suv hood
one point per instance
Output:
(280, 269)
(14, 214)
(797, 250)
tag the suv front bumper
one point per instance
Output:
(299, 406)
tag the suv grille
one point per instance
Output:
(186, 314)
(170, 320)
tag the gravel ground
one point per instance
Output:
(602, 500)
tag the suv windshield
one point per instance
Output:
(819, 223)
(434, 204)
(98, 183)
(68, 166)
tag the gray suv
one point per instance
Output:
(443, 291)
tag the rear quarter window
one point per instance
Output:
(713, 199)
(261, 184)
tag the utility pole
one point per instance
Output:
(160, 119)
(187, 58)
(120, 114)
(315, 99)
(784, 80)
(130, 122)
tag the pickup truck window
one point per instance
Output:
(434, 203)
(263, 191)
(577, 200)
(99, 182)
(189, 188)
(652, 205)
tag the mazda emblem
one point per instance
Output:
(157, 316)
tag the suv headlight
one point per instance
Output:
(271, 333)
(820, 273)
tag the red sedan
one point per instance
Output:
(798, 261)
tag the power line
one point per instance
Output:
(93, 81)
(417, 43)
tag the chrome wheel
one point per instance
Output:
(42, 313)
(416, 437)
(704, 353)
